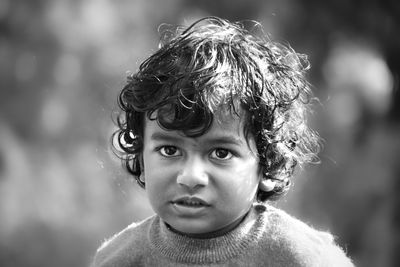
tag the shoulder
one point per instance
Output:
(123, 246)
(294, 240)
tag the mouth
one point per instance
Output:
(192, 202)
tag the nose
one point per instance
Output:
(193, 173)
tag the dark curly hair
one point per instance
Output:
(215, 63)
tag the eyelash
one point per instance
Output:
(161, 150)
(213, 154)
(214, 151)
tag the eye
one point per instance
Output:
(169, 151)
(221, 154)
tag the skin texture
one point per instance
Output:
(219, 168)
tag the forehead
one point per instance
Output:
(226, 123)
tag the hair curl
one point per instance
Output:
(215, 63)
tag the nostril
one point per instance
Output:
(192, 181)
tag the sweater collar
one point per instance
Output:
(186, 249)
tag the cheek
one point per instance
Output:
(155, 190)
(242, 183)
(248, 172)
(159, 178)
(155, 179)
(152, 167)
(245, 188)
(251, 178)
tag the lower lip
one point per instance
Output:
(189, 209)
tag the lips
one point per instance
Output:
(190, 202)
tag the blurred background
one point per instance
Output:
(62, 64)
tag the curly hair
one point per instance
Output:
(215, 63)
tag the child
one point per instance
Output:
(214, 126)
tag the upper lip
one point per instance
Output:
(189, 199)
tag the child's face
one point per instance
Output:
(199, 185)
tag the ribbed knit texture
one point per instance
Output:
(266, 237)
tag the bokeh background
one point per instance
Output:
(62, 64)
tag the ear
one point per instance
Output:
(142, 177)
(267, 185)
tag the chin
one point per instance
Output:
(190, 228)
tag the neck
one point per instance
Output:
(216, 233)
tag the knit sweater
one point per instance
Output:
(266, 237)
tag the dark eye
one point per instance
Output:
(169, 151)
(221, 153)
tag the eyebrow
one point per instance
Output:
(158, 136)
(224, 139)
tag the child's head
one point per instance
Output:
(202, 184)
(212, 72)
